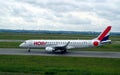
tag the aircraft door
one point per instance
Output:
(29, 44)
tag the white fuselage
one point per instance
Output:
(54, 43)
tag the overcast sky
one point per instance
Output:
(67, 15)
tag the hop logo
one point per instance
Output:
(39, 43)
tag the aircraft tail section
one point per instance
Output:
(104, 36)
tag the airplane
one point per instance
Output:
(63, 45)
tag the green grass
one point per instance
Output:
(108, 47)
(23, 36)
(9, 44)
(45, 65)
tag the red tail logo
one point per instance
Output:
(104, 33)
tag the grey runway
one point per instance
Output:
(100, 54)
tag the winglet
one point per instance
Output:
(105, 34)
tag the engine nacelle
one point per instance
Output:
(49, 49)
(106, 42)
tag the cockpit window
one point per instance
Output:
(25, 42)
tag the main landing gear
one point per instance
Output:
(64, 51)
(29, 49)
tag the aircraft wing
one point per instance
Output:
(62, 47)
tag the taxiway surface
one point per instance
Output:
(101, 54)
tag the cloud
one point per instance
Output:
(74, 15)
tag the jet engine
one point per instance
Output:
(106, 42)
(49, 49)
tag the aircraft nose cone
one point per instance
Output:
(21, 45)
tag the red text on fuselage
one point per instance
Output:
(39, 43)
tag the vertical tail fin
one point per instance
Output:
(105, 34)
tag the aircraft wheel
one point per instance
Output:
(29, 50)
(64, 51)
